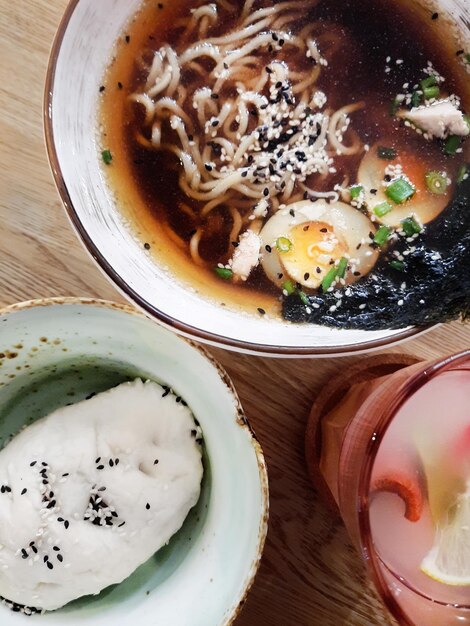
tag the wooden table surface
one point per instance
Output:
(310, 575)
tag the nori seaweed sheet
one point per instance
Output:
(436, 290)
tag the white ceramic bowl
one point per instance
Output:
(80, 55)
(53, 352)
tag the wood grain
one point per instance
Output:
(310, 575)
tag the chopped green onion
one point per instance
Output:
(415, 99)
(289, 287)
(452, 144)
(107, 156)
(342, 267)
(411, 226)
(397, 265)
(436, 183)
(462, 173)
(386, 153)
(283, 244)
(382, 235)
(382, 209)
(467, 120)
(304, 298)
(431, 92)
(356, 191)
(400, 190)
(430, 81)
(329, 278)
(223, 272)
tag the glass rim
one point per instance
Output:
(406, 391)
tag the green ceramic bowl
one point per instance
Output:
(58, 351)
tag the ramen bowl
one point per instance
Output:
(81, 53)
(59, 351)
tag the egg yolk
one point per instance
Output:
(314, 249)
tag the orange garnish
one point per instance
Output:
(406, 489)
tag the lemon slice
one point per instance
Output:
(448, 562)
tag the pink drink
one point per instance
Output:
(389, 444)
(433, 423)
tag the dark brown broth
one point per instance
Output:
(371, 30)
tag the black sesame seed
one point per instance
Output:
(373, 191)
(193, 433)
(102, 489)
(49, 565)
(280, 276)
(24, 491)
(100, 467)
(121, 524)
(116, 461)
(215, 123)
(119, 85)
(265, 192)
(434, 16)
(98, 460)
(268, 248)
(102, 88)
(318, 270)
(292, 212)
(156, 462)
(46, 558)
(111, 463)
(208, 167)
(34, 549)
(66, 524)
(147, 506)
(244, 174)
(261, 311)
(323, 230)
(127, 38)
(306, 276)
(269, 70)
(32, 464)
(60, 558)
(147, 246)
(56, 549)
(24, 554)
(60, 519)
(357, 273)
(65, 475)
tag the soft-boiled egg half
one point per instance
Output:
(304, 241)
(427, 191)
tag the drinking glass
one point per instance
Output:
(384, 400)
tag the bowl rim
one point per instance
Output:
(241, 419)
(158, 315)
